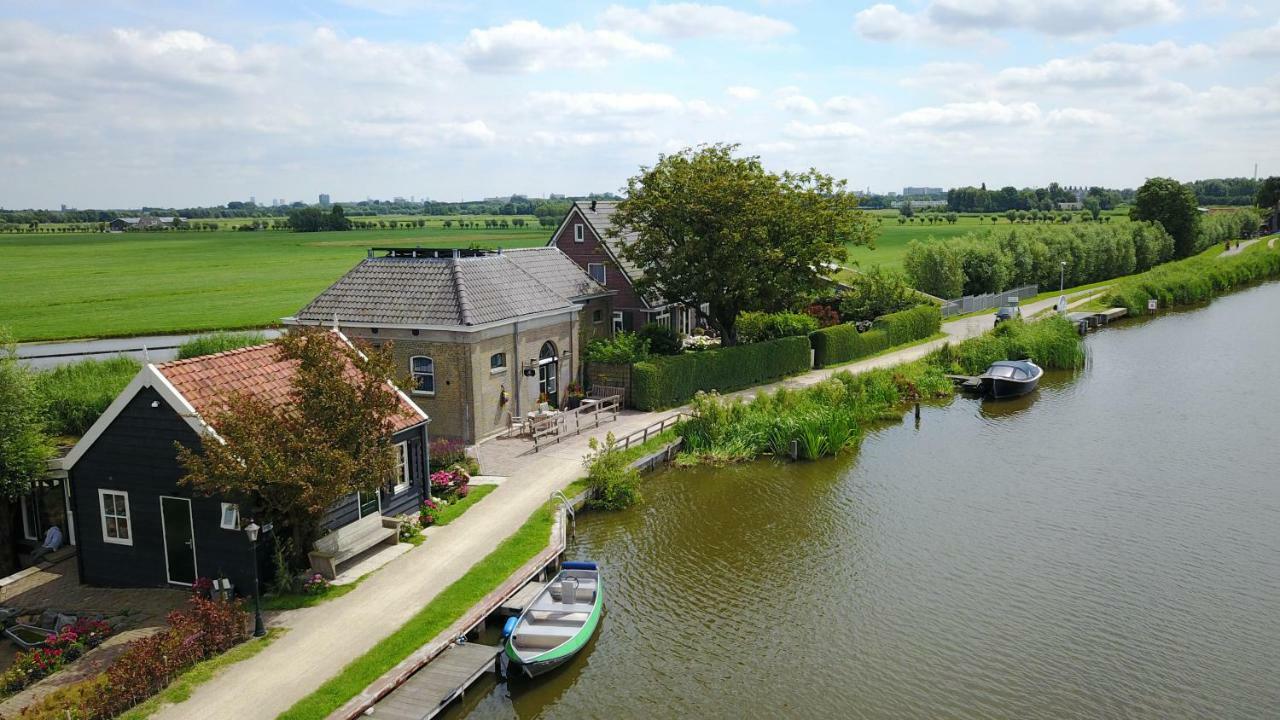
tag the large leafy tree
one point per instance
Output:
(1268, 193)
(1173, 205)
(25, 448)
(294, 461)
(936, 268)
(720, 230)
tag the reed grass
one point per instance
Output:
(75, 395)
(1194, 280)
(218, 342)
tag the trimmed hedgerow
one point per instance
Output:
(906, 326)
(663, 382)
(842, 343)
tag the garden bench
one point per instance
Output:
(350, 540)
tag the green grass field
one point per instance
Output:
(75, 285)
(103, 284)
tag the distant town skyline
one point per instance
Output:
(130, 102)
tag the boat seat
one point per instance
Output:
(543, 617)
(585, 594)
(550, 605)
(544, 637)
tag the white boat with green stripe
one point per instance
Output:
(559, 621)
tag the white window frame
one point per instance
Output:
(128, 517)
(617, 321)
(414, 374)
(579, 232)
(495, 369)
(406, 474)
(235, 517)
(604, 272)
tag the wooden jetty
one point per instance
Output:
(432, 688)
(516, 604)
(1086, 321)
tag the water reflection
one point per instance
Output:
(980, 566)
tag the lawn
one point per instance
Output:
(76, 285)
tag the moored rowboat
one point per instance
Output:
(559, 621)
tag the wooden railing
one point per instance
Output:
(571, 422)
(643, 434)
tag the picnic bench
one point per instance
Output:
(350, 540)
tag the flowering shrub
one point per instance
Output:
(60, 648)
(451, 483)
(203, 587)
(315, 585)
(409, 528)
(428, 513)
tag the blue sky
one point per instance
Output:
(124, 103)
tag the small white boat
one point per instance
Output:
(559, 621)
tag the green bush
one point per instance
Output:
(842, 343)
(669, 381)
(1194, 280)
(876, 292)
(75, 395)
(1051, 343)
(611, 480)
(662, 339)
(906, 326)
(754, 327)
(623, 348)
(218, 342)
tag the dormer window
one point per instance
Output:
(579, 233)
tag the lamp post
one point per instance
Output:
(251, 530)
(1062, 274)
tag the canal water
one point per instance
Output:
(1109, 547)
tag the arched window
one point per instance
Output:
(423, 370)
(549, 372)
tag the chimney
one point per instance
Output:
(593, 206)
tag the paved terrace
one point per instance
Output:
(323, 639)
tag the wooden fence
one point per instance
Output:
(571, 422)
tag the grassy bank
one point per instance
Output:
(454, 510)
(825, 418)
(1194, 280)
(445, 609)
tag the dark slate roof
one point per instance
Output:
(453, 291)
(558, 271)
(601, 220)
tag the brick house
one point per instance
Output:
(482, 334)
(584, 237)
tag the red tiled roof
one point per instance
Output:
(258, 371)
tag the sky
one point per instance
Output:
(124, 103)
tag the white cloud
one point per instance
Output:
(1258, 43)
(1107, 66)
(603, 103)
(1081, 117)
(824, 131)
(954, 115)
(941, 20)
(530, 46)
(742, 92)
(846, 105)
(690, 20)
(797, 104)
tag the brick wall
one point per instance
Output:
(592, 250)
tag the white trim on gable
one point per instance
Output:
(147, 377)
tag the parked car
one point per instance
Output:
(1008, 312)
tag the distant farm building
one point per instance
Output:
(145, 223)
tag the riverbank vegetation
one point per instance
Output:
(74, 395)
(218, 342)
(1195, 279)
(829, 416)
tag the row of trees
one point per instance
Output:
(991, 261)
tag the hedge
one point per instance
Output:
(669, 381)
(842, 343)
(906, 326)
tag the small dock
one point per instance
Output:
(432, 688)
(516, 604)
(1086, 321)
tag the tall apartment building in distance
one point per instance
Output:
(917, 191)
(324, 199)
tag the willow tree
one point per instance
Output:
(711, 228)
(294, 460)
